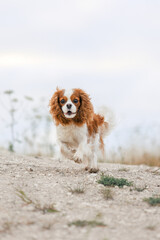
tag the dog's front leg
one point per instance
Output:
(65, 151)
(81, 150)
(78, 156)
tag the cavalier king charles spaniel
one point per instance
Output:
(80, 132)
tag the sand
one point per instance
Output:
(46, 181)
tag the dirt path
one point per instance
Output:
(44, 181)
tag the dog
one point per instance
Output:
(80, 131)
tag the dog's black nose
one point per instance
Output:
(69, 106)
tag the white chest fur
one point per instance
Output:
(71, 134)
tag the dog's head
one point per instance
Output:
(71, 106)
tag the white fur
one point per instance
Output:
(109, 116)
(73, 109)
(76, 144)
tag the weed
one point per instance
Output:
(151, 228)
(85, 223)
(156, 172)
(153, 201)
(79, 189)
(44, 209)
(107, 193)
(140, 189)
(24, 197)
(111, 181)
(123, 170)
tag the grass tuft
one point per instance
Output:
(107, 194)
(85, 223)
(140, 189)
(79, 189)
(111, 181)
(24, 197)
(44, 209)
(153, 201)
(151, 228)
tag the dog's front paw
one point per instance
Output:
(78, 157)
(78, 160)
(93, 170)
(73, 150)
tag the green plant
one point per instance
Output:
(153, 201)
(24, 197)
(85, 223)
(140, 189)
(111, 181)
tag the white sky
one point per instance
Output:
(110, 48)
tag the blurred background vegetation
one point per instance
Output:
(27, 124)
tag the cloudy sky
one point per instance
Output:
(110, 48)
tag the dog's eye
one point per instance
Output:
(62, 101)
(75, 100)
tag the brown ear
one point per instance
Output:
(55, 108)
(85, 113)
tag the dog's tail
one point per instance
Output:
(109, 118)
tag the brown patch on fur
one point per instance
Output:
(93, 125)
(101, 144)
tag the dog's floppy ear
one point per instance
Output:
(85, 113)
(55, 108)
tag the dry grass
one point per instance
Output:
(140, 189)
(131, 157)
(107, 194)
(78, 189)
(147, 159)
(151, 227)
(48, 208)
(123, 169)
(85, 223)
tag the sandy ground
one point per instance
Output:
(47, 181)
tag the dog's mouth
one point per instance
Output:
(69, 113)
